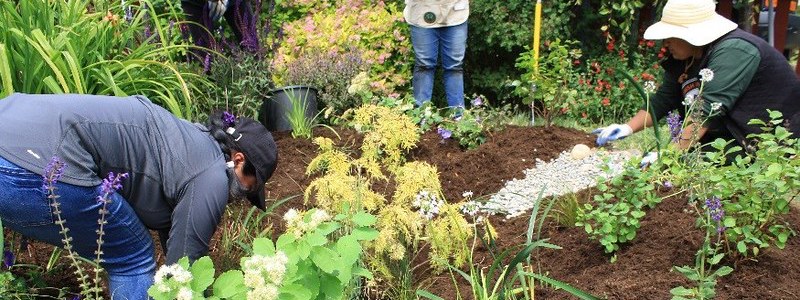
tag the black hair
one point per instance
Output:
(217, 129)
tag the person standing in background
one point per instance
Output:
(438, 27)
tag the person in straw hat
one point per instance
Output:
(739, 74)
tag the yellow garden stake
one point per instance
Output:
(537, 26)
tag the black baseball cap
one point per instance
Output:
(259, 149)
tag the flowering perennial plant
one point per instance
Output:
(173, 278)
(264, 274)
(428, 204)
(299, 222)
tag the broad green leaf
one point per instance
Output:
(365, 233)
(184, 262)
(230, 284)
(729, 222)
(263, 246)
(296, 291)
(328, 227)
(741, 247)
(325, 259)
(202, 274)
(284, 240)
(364, 219)
(315, 239)
(349, 248)
(330, 286)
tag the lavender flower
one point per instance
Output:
(478, 101)
(228, 119)
(675, 124)
(207, 63)
(8, 258)
(147, 32)
(668, 184)
(53, 172)
(444, 133)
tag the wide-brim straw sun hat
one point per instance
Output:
(695, 21)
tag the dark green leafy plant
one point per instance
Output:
(756, 189)
(546, 88)
(614, 217)
(241, 83)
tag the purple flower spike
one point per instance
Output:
(228, 118)
(53, 172)
(675, 124)
(111, 184)
(444, 133)
(8, 258)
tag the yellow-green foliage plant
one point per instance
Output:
(448, 236)
(341, 183)
(375, 28)
(388, 133)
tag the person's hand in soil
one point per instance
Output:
(611, 133)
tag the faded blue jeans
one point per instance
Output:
(429, 44)
(128, 248)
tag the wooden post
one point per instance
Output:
(781, 24)
(725, 8)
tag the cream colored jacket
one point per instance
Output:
(436, 13)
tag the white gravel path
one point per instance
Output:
(560, 176)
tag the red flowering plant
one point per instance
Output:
(605, 93)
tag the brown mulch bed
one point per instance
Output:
(642, 271)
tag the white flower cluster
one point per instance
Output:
(471, 208)
(650, 86)
(715, 106)
(174, 277)
(428, 204)
(359, 84)
(689, 100)
(263, 275)
(706, 75)
(295, 221)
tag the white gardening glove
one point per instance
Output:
(649, 159)
(612, 132)
(216, 9)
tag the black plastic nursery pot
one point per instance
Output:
(275, 108)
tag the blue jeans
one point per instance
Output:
(128, 249)
(429, 43)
